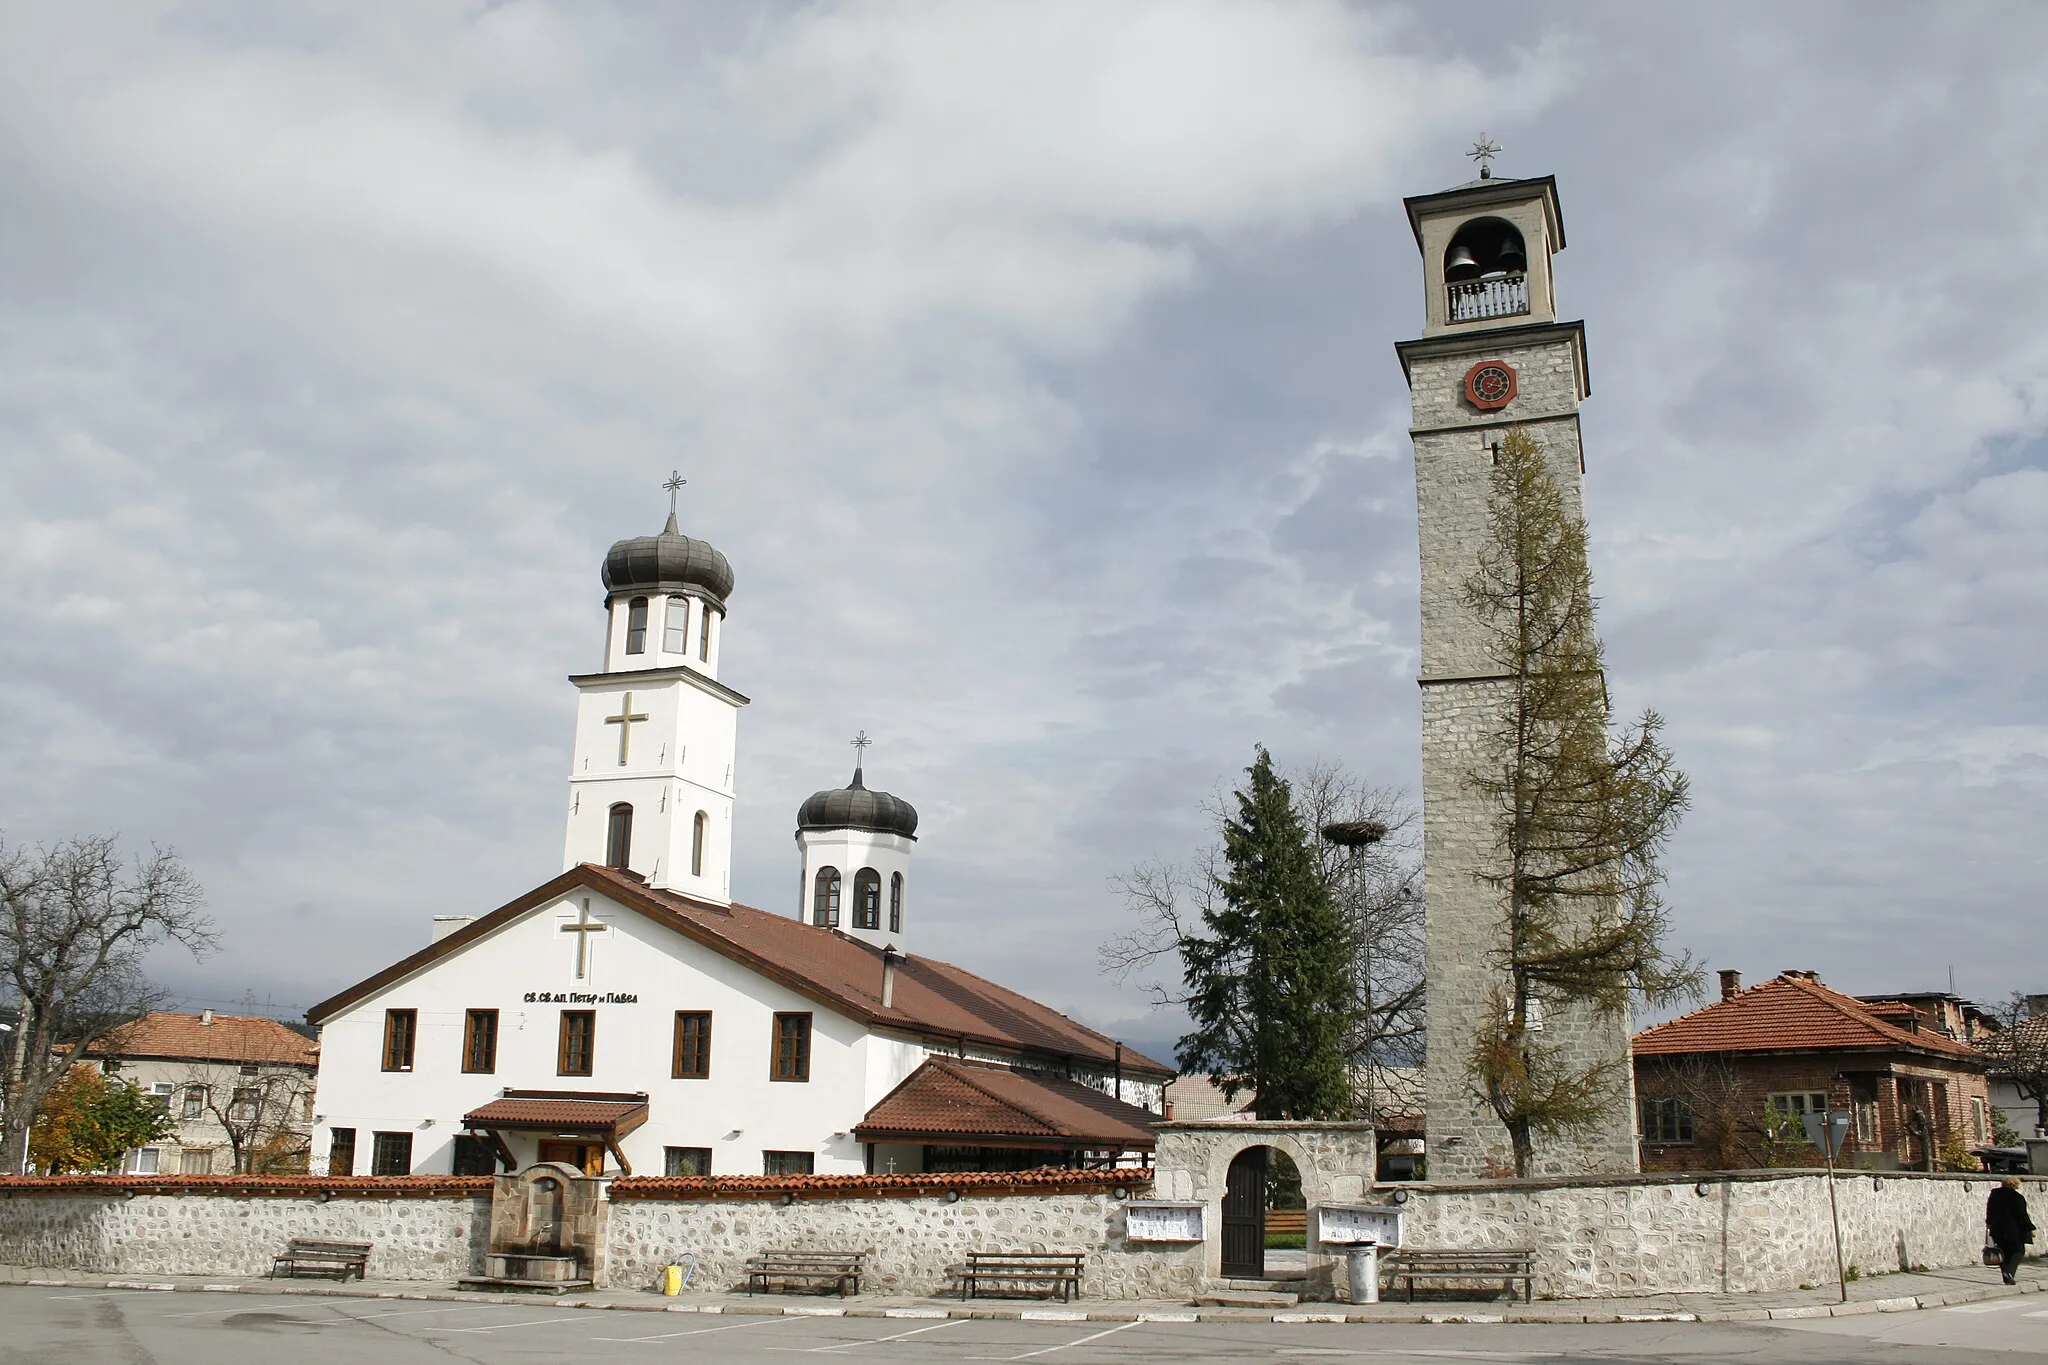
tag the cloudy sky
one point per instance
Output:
(1033, 366)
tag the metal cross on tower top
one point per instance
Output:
(1483, 152)
(860, 742)
(674, 484)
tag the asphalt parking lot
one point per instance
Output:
(87, 1327)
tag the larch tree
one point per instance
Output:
(1582, 810)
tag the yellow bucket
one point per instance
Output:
(671, 1280)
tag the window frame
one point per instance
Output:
(675, 636)
(564, 1035)
(192, 1104)
(1666, 1120)
(704, 635)
(867, 899)
(245, 1104)
(679, 1053)
(771, 1160)
(825, 894)
(385, 1143)
(618, 835)
(788, 1027)
(895, 902)
(698, 825)
(341, 1151)
(636, 626)
(480, 1024)
(672, 1157)
(401, 1034)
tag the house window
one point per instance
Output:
(195, 1161)
(792, 1048)
(618, 839)
(341, 1151)
(195, 1103)
(704, 636)
(697, 844)
(676, 635)
(246, 1104)
(787, 1163)
(825, 899)
(391, 1154)
(636, 626)
(1784, 1108)
(473, 1156)
(480, 1042)
(686, 1161)
(693, 1046)
(160, 1095)
(895, 902)
(867, 899)
(144, 1162)
(579, 1038)
(1980, 1125)
(1863, 1109)
(1666, 1119)
(400, 1027)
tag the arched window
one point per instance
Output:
(618, 838)
(697, 844)
(867, 899)
(676, 631)
(704, 635)
(825, 901)
(636, 626)
(895, 902)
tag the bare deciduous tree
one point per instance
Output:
(267, 1117)
(2021, 1049)
(75, 922)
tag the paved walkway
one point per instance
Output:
(1878, 1294)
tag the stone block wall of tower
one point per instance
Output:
(1462, 695)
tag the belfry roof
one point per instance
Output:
(931, 998)
(950, 1100)
(1792, 1012)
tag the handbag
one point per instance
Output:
(1992, 1255)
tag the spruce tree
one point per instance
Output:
(1582, 811)
(1268, 990)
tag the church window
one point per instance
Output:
(391, 1154)
(693, 1046)
(618, 839)
(400, 1027)
(788, 1163)
(341, 1151)
(574, 1055)
(686, 1161)
(895, 902)
(676, 631)
(473, 1156)
(825, 900)
(792, 1048)
(704, 636)
(636, 626)
(480, 1042)
(697, 843)
(867, 899)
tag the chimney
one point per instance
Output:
(206, 1017)
(889, 956)
(1731, 982)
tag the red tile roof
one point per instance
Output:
(950, 1099)
(188, 1037)
(607, 1113)
(932, 998)
(1791, 1014)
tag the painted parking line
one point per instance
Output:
(700, 1331)
(104, 1294)
(1066, 1345)
(874, 1341)
(506, 1326)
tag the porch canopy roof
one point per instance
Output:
(600, 1115)
(951, 1102)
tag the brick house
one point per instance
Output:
(1723, 1087)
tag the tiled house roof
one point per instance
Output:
(930, 998)
(1794, 1012)
(208, 1038)
(947, 1098)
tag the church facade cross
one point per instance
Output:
(583, 928)
(624, 720)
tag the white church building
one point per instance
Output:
(629, 1017)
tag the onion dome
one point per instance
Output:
(853, 806)
(669, 562)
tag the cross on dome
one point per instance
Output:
(1483, 152)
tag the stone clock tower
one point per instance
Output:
(1492, 355)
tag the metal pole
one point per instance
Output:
(1827, 1119)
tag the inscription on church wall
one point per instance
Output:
(580, 998)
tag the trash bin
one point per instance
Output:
(1364, 1264)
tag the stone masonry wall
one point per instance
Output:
(1460, 703)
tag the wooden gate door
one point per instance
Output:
(1244, 1216)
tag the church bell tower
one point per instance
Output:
(1492, 355)
(651, 777)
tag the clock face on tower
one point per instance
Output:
(1490, 384)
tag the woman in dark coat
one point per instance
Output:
(2005, 1218)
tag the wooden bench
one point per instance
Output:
(780, 1272)
(1057, 1273)
(1504, 1264)
(321, 1256)
(1286, 1222)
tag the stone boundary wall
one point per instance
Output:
(1726, 1232)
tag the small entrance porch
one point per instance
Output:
(574, 1128)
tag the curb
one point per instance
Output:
(1335, 1313)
